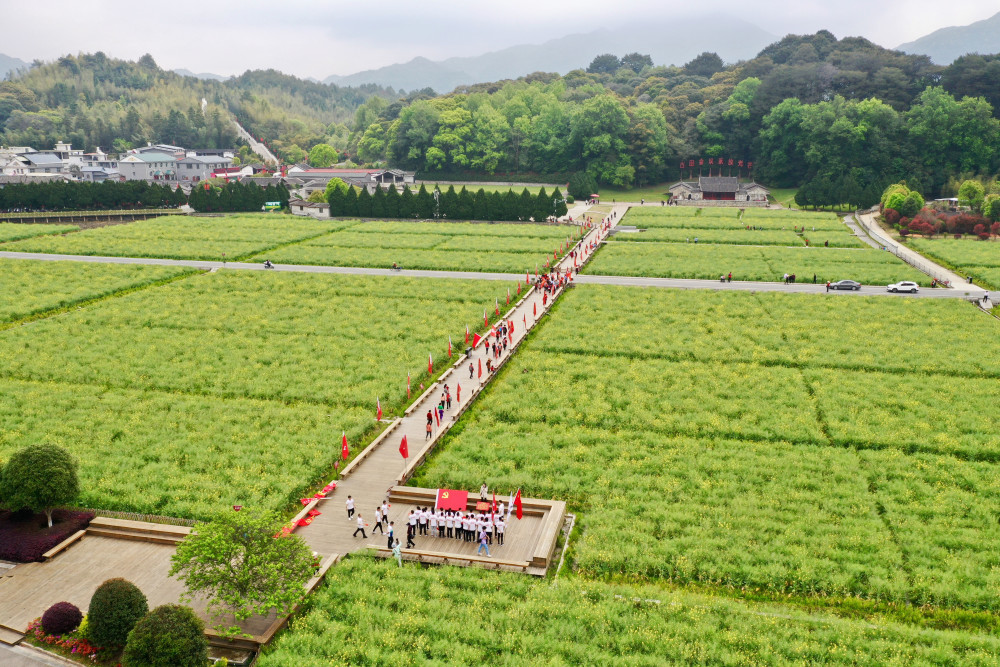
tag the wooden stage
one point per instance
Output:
(528, 545)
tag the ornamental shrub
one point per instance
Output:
(116, 607)
(170, 635)
(61, 618)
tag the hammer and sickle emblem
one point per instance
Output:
(444, 495)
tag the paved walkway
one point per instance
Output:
(382, 466)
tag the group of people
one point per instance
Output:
(452, 524)
(444, 404)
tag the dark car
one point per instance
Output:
(846, 284)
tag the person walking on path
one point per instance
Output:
(397, 553)
(361, 528)
(471, 370)
(447, 397)
(430, 417)
(827, 285)
(385, 510)
(378, 521)
(350, 507)
(427, 435)
(409, 539)
(483, 544)
(500, 529)
(392, 535)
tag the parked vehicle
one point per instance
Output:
(846, 284)
(905, 286)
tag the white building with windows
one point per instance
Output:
(148, 167)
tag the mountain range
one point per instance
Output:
(668, 43)
(8, 64)
(947, 44)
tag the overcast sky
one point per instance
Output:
(320, 37)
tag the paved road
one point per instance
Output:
(625, 281)
(27, 656)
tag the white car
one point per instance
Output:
(905, 286)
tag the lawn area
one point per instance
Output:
(741, 441)
(967, 256)
(448, 246)
(225, 388)
(14, 231)
(183, 237)
(30, 288)
(372, 612)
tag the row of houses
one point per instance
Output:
(305, 180)
(160, 163)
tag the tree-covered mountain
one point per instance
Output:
(666, 42)
(945, 45)
(92, 100)
(9, 64)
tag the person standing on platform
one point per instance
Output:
(427, 435)
(449, 524)
(361, 527)
(471, 370)
(434, 523)
(378, 521)
(398, 553)
(483, 492)
(483, 545)
(392, 535)
(501, 526)
(409, 540)
(422, 522)
(411, 527)
(385, 510)
(441, 522)
(350, 507)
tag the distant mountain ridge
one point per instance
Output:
(201, 75)
(945, 45)
(672, 43)
(9, 64)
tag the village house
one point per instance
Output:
(718, 191)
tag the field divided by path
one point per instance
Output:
(968, 256)
(10, 231)
(720, 440)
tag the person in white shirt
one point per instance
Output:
(449, 522)
(483, 491)
(422, 520)
(434, 523)
(500, 528)
(467, 528)
(385, 510)
(378, 521)
(441, 522)
(361, 527)
(350, 507)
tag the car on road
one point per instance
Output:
(846, 284)
(905, 286)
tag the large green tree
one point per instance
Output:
(40, 478)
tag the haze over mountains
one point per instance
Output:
(668, 43)
(947, 44)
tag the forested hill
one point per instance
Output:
(93, 100)
(843, 114)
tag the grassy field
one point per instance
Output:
(737, 441)
(14, 231)
(224, 388)
(371, 612)
(967, 256)
(182, 237)
(28, 289)
(450, 246)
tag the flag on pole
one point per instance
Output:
(458, 393)
(430, 361)
(510, 505)
(449, 347)
(403, 449)
(518, 288)
(535, 309)
(466, 334)
(527, 278)
(486, 318)
(480, 369)
(407, 385)
(344, 451)
(493, 509)
(517, 504)
(524, 319)
(508, 296)
(378, 409)
(437, 416)
(497, 306)
(475, 340)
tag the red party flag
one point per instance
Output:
(527, 278)
(378, 409)
(486, 318)
(466, 334)
(407, 385)
(517, 504)
(519, 288)
(475, 339)
(458, 393)
(497, 306)
(430, 363)
(480, 368)
(437, 416)
(344, 451)
(449, 347)
(403, 449)
(508, 296)
(524, 319)
(535, 307)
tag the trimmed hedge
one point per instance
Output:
(116, 607)
(61, 618)
(169, 636)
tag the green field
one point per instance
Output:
(722, 440)
(183, 237)
(450, 246)
(371, 612)
(14, 231)
(224, 388)
(29, 288)
(968, 256)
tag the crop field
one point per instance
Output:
(183, 237)
(709, 261)
(741, 440)
(30, 288)
(14, 231)
(450, 246)
(175, 383)
(371, 612)
(979, 259)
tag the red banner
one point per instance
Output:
(449, 499)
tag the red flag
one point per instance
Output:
(527, 278)
(486, 318)
(535, 307)
(497, 306)
(404, 450)
(449, 347)
(480, 368)
(458, 393)
(430, 361)
(493, 508)
(437, 416)
(517, 504)
(475, 339)
(344, 451)
(450, 499)
(519, 288)
(524, 319)
(508, 296)
(466, 334)
(407, 385)
(378, 409)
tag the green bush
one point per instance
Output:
(170, 635)
(116, 607)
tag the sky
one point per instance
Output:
(317, 38)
